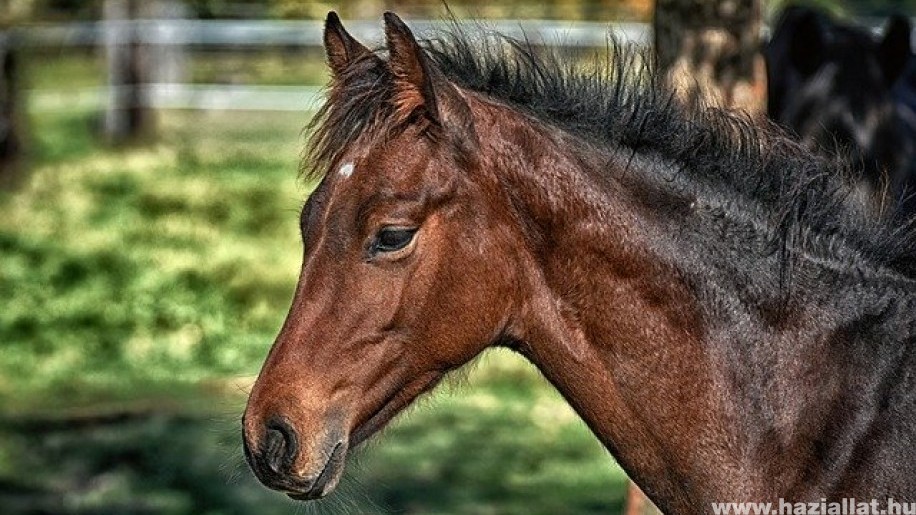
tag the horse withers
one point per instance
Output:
(700, 289)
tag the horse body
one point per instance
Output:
(904, 93)
(721, 401)
(728, 337)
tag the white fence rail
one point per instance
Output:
(186, 96)
(241, 34)
(308, 33)
(238, 34)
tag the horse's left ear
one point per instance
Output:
(420, 87)
(342, 48)
(894, 50)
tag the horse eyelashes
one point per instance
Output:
(393, 239)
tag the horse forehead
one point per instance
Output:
(404, 163)
(346, 169)
(366, 174)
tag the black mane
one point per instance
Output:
(618, 102)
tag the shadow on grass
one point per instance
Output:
(453, 458)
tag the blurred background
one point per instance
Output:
(149, 250)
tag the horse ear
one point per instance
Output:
(894, 50)
(808, 44)
(413, 75)
(342, 48)
(420, 87)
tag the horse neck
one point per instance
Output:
(610, 316)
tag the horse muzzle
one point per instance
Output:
(279, 460)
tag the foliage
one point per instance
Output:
(595, 10)
(601, 10)
(15, 10)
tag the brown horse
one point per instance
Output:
(699, 289)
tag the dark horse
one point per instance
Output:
(699, 289)
(905, 100)
(835, 86)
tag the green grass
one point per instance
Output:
(167, 262)
(270, 67)
(141, 290)
(64, 69)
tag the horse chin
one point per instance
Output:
(329, 477)
(394, 404)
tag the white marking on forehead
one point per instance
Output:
(346, 170)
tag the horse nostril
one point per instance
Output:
(280, 446)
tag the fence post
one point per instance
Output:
(11, 119)
(168, 59)
(127, 116)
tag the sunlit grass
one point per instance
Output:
(291, 67)
(67, 68)
(170, 262)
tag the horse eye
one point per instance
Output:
(391, 239)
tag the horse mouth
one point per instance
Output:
(392, 405)
(328, 477)
(333, 468)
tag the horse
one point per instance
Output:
(904, 93)
(699, 288)
(836, 87)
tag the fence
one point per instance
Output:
(178, 35)
(236, 33)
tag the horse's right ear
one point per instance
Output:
(342, 48)
(421, 88)
(808, 43)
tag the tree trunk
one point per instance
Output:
(11, 116)
(709, 50)
(127, 115)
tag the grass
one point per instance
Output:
(171, 261)
(141, 290)
(269, 67)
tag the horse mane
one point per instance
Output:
(619, 102)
